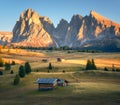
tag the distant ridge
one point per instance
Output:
(92, 31)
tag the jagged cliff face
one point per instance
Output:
(37, 31)
(97, 28)
(82, 31)
(59, 33)
(5, 37)
(29, 31)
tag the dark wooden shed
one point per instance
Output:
(62, 82)
(46, 83)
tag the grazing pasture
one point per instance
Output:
(94, 87)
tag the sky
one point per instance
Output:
(10, 10)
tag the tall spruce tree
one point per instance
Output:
(88, 65)
(50, 66)
(27, 68)
(21, 71)
(1, 62)
(16, 80)
(93, 66)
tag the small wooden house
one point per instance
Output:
(62, 82)
(59, 59)
(44, 60)
(46, 83)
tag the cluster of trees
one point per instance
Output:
(112, 69)
(6, 64)
(90, 65)
(23, 70)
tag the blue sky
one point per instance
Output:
(10, 10)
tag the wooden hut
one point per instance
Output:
(46, 83)
(62, 82)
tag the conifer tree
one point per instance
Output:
(88, 65)
(93, 66)
(21, 71)
(16, 80)
(50, 66)
(27, 68)
(1, 62)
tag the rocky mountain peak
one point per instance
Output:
(76, 19)
(62, 23)
(29, 31)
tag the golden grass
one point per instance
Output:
(99, 62)
(21, 52)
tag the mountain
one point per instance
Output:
(5, 37)
(92, 31)
(29, 31)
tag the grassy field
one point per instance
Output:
(85, 87)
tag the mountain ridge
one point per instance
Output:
(38, 31)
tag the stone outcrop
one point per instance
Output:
(5, 37)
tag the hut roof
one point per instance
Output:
(46, 80)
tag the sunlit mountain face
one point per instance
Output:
(92, 31)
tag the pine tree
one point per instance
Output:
(106, 69)
(21, 71)
(27, 68)
(93, 66)
(16, 80)
(50, 66)
(88, 65)
(1, 62)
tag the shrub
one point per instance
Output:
(63, 71)
(1, 73)
(11, 72)
(106, 69)
(7, 66)
(117, 70)
(59, 59)
(13, 63)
